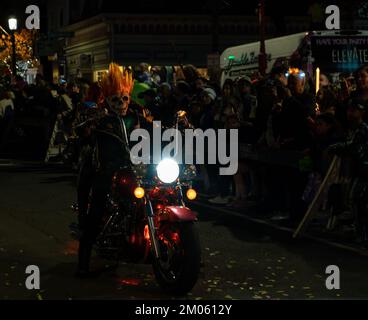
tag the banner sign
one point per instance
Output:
(340, 53)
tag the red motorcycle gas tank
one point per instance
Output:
(123, 183)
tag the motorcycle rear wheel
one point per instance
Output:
(178, 269)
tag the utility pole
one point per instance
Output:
(216, 8)
(262, 59)
(213, 58)
(14, 55)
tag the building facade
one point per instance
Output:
(109, 30)
(165, 40)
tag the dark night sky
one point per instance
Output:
(246, 7)
(16, 7)
(157, 6)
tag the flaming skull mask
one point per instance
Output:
(117, 86)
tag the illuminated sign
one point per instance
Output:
(246, 59)
(340, 53)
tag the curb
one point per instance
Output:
(285, 229)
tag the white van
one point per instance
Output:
(331, 51)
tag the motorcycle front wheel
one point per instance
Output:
(178, 268)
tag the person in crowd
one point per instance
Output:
(166, 104)
(143, 74)
(191, 74)
(327, 100)
(6, 104)
(266, 99)
(228, 104)
(66, 104)
(208, 99)
(324, 81)
(361, 92)
(240, 197)
(355, 150)
(298, 111)
(156, 76)
(74, 93)
(181, 95)
(205, 120)
(195, 112)
(151, 103)
(6, 113)
(199, 84)
(327, 132)
(247, 98)
(267, 179)
(361, 78)
(90, 109)
(279, 75)
(297, 120)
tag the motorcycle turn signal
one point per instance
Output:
(191, 194)
(139, 192)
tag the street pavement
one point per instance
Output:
(241, 259)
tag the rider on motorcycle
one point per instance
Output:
(110, 152)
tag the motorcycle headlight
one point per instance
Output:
(167, 170)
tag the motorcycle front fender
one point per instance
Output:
(177, 214)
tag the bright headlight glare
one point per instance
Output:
(168, 170)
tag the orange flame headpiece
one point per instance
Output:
(117, 82)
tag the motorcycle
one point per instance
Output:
(147, 221)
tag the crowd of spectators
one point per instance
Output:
(286, 132)
(285, 128)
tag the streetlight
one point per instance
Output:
(13, 24)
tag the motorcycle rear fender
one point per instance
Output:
(177, 214)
